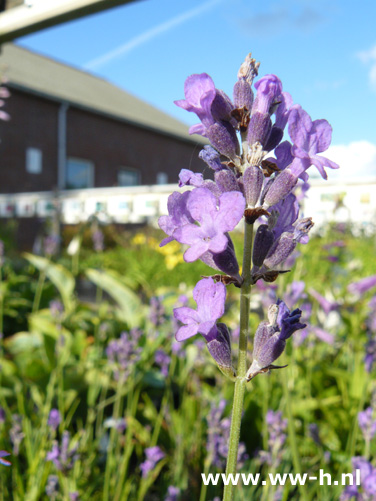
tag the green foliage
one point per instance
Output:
(58, 359)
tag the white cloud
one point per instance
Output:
(148, 35)
(368, 57)
(356, 159)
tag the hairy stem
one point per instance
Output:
(237, 407)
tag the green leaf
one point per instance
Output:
(130, 306)
(59, 276)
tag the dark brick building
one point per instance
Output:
(72, 130)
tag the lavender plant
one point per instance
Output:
(248, 184)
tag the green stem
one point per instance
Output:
(38, 292)
(239, 391)
(291, 433)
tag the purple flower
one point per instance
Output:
(218, 436)
(362, 286)
(51, 245)
(124, 353)
(56, 309)
(370, 357)
(210, 299)
(270, 338)
(172, 493)
(367, 481)
(178, 215)
(277, 438)
(16, 434)
(322, 334)
(52, 487)
(268, 89)
(310, 138)
(64, 456)
(3, 461)
(98, 240)
(153, 456)
(163, 360)
(367, 424)
(199, 91)
(54, 419)
(211, 157)
(294, 293)
(326, 305)
(157, 314)
(189, 178)
(215, 218)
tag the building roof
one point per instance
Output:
(44, 76)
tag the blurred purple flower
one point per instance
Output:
(52, 487)
(163, 360)
(124, 353)
(15, 433)
(277, 438)
(51, 245)
(54, 419)
(172, 493)
(218, 436)
(98, 240)
(56, 309)
(294, 293)
(153, 456)
(326, 305)
(362, 286)
(370, 356)
(367, 482)
(64, 456)
(322, 334)
(3, 461)
(157, 314)
(367, 424)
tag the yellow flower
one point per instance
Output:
(139, 239)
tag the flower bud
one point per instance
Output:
(211, 157)
(219, 347)
(264, 239)
(268, 88)
(253, 179)
(221, 107)
(280, 188)
(276, 135)
(226, 181)
(243, 94)
(281, 250)
(259, 128)
(223, 137)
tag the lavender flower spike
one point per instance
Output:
(210, 298)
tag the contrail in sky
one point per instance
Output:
(148, 35)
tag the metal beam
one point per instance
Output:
(35, 15)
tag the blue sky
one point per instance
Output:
(324, 51)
